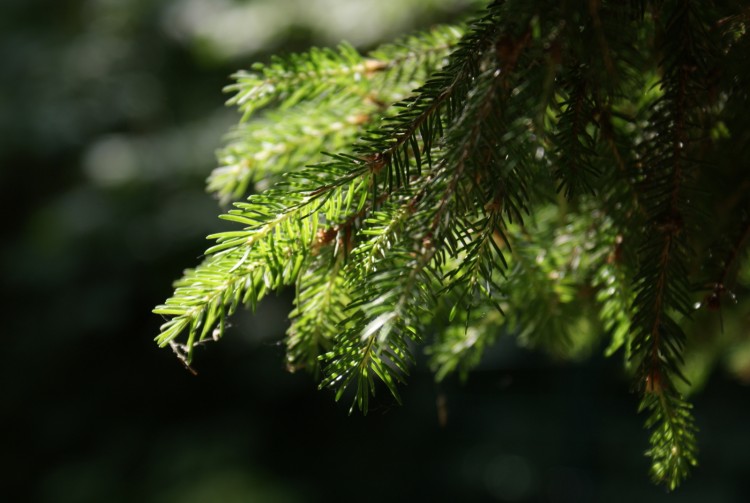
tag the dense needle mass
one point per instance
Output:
(557, 171)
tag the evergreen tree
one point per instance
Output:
(562, 172)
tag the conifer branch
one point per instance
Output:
(522, 175)
(573, 143)
(662, 287)
(263, 150)
(268, 253)
(320, 310)
(615, 298)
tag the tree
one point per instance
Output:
(564, 171)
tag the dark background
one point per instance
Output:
(110, 111)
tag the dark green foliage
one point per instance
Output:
(554, 175)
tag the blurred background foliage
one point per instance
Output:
(110, 114)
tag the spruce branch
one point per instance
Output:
(268, 253)
(384, 317)
(662, 288)
(320, 309)
(574, 145)
(260, 151)
(312, 118)
(301, 77)
(534, 173)
(614, 297)
(324, 73)
(459, 344)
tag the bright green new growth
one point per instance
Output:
(556, 170)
